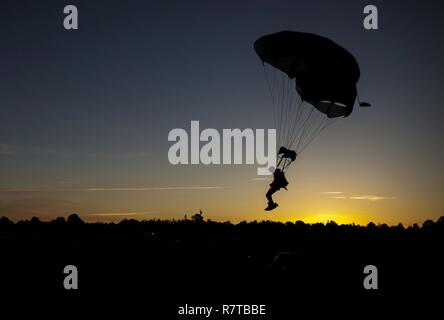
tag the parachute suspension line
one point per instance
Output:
(270, 89)
(304, 127)
(297, 124)
(314, 124)
(285, 111)
(279, 162)
(312, 133)
(315, 130)
(276, 92)
(281, 110)
(298, 106)
(291, 106)
(283, 163)
(325, 124)
(276, 96)
(286, 165)
(288, 107)
(291, 110)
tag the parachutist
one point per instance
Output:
(279, 182)
(312, 80)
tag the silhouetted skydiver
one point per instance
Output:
(279, 182)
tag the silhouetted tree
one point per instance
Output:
(300, 223)
(74, 219)
(198, 217)
(332, 223)
(428, 224)
(35, 221)
(59, 220)
(4, 221)
(371, 225)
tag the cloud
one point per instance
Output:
(114, 214)
(370, 197)
(121, 155)
(331, 192)
(13, 190)
(65, 181)
(152, 188)
(45, 207)
(6, 149)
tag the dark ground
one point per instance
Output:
(160, 265)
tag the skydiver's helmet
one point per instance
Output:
(287, 153)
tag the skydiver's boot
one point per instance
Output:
(271, 206)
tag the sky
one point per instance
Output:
(85, 114)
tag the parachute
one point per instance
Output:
(312, 81)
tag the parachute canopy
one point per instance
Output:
(325, 73)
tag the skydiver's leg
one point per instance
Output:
(270, 193)
(271, 204)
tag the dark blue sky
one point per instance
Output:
(93, 107)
